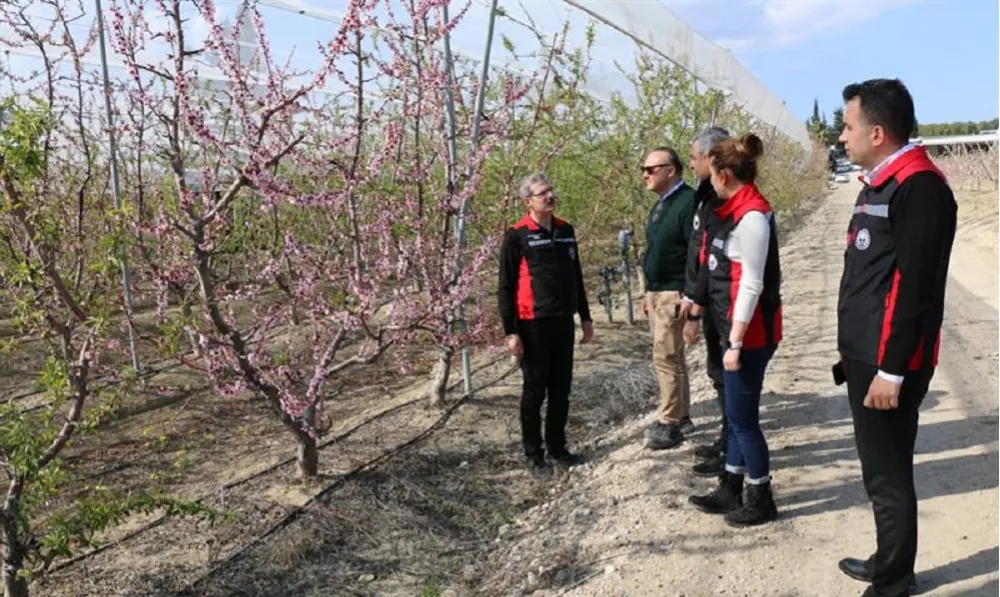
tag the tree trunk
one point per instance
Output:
(438, 386)
(14, 586)
(308, 456)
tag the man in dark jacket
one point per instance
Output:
(668, 233)
(541, 289)
(889, 315)
(713, 454)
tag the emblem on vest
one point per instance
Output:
(712, 262)
(697, 222)
(863, 239)
(572, 253)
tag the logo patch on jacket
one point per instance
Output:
(863, 239)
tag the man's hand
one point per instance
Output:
(882, 394)
(690, 332)
(731, 360)
(514, 345)
(686, 305)
(588, 332)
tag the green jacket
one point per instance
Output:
(667, 241)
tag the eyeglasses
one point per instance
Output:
(651, 169)
(544, 192)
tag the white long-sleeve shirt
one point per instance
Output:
(748, 245)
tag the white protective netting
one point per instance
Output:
(623, 27)
(296, 29)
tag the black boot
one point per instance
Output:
(713, 467)
(716, 448)
(862, 570)
(727, 497)
(660, 436)
(712, 450)
(758, 507)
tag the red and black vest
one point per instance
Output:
(549, 280)
(869, 285)
(764, 329)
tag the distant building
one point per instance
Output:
(949, 144)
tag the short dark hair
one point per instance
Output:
(886, 103)
(673, 158)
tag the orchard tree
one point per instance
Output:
(61, 243)
(335, 197)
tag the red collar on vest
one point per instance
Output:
(747, 199)
(913, 161)
(528, 222)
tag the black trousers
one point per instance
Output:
(713, 361)
(547, 368)
(885, 441)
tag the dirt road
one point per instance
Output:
(630, 517)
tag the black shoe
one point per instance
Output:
(538, 468)
(567, 459)
(707, 452)
(727, 497)
(712, 467)
(758, 507)
(686, 425)
(662, 437)
(859, 570)
(710, 450)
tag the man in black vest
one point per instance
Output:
(713, 455)
(889, 315)
(540, 291)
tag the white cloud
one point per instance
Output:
(785, 23)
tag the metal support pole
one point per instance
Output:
(115, 184)
(605, 297)
(715, 108)
(464, 208)
(624, 236)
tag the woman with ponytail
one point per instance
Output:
(742, 279)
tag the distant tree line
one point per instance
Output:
(957, 128)
(828, 132)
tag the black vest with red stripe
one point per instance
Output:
(870, 280)
(764, 329)
(548, 282)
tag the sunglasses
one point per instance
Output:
(652, 169)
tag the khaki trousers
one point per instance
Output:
(668, 356)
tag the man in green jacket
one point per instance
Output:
(668, 233)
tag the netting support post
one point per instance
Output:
(463, 209)
(116, 184)
(715, 108)
(624, 240)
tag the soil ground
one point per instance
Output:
(454, 513)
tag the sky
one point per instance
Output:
(945, 51)
(800, 50)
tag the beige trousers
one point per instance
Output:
(668, 356)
